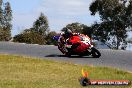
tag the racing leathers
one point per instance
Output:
(63, 41)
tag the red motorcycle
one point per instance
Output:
(80, 45)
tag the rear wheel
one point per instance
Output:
(95, 53)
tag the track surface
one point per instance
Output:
(113, 58)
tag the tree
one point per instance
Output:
(37, 34)
(75, 27)
(5, 21)
(1, 14)
(87, 30)
(116, 17)
(129, 40)
(41, 25)
(7, 16)
(29, 37)
(49, 38)
(79, 28)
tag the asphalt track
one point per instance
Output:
(110, 58)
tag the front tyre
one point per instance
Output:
(67, 54)
(95, 53)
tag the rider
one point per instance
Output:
(62, 40)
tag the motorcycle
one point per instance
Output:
(80, 45)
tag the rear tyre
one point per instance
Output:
(95, 53)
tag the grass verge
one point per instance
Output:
(25, 72)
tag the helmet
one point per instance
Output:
(68, 32)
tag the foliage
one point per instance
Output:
(41, 25)
(37, 34)
(5, 35)
(75, 27)
(49, 38)
(29, 37)
(129, 40)
(79, 28)
(5, 21)
(116, 17)
(87, 30)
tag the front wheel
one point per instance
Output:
(95, 53)
(68, 54)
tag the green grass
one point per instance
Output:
(25, 72)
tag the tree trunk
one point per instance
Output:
(118, 43)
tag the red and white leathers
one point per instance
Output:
(62, 42)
